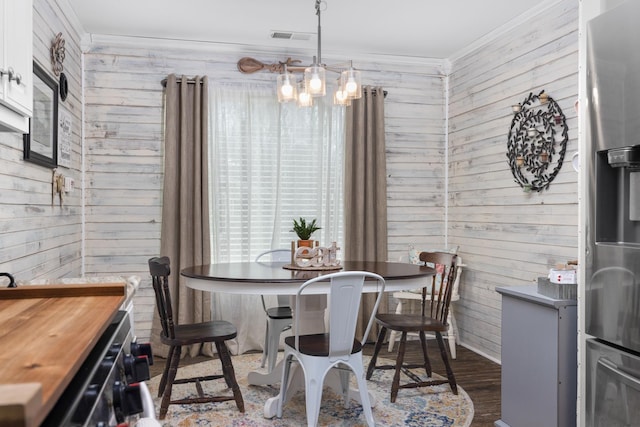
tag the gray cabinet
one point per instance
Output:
(539, 359)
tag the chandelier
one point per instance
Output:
(313, 84)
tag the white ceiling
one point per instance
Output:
(420, 28)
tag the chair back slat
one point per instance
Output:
(442, 283)
(159, 268)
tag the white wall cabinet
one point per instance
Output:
(16, 65)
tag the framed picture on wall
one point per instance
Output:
(41, 143)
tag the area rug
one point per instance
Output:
(433, 406)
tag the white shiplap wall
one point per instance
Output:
(508, 237)
(38, 239)
(124, 145)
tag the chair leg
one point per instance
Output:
(445, 359)
(395, 384)
(358, 371)
(393, 334)
(163, 380)
(452, 334)
(425, 354)
(313, 380)
(171, 376)
(286, 368)
(230, 374)
(376, 350)
(265, 348)
(344, 375)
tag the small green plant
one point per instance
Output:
(304, 230)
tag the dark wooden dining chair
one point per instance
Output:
(176, 336)
(432, 319)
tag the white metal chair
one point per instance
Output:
(279, 316)
(416, 295)
(317, 354)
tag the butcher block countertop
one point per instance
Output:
(46, 333)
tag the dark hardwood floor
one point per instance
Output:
(478, 376)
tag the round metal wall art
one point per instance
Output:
(537, 141)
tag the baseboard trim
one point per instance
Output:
(480, 352)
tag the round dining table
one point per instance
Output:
(272, 278)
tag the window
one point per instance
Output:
(271, 163)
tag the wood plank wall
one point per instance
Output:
(39, 239)
(505, 236)
(124, 145)
(508, 237)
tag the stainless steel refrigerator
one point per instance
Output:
(612, 162)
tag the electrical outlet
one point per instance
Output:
(68, 184)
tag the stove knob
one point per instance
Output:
(104, 369)
(136, 368)
(142, 349)
(87, 401)
(127, 400)
(114, 350)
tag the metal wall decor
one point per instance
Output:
(537, 141)
(58, 53)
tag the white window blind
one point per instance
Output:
(271, 163)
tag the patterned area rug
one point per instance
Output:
(428, 406)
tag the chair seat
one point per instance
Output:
(317, 344)
(410, 322)
(215, 330)
(279, 313)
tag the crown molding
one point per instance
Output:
(503, 29)
(91, 41)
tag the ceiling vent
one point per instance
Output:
(290, 35)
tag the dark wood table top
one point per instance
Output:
(246, 277)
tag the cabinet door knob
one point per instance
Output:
(14, 76)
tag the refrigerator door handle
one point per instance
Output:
(620, 373)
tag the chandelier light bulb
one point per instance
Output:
(340, 97)
(351, 86)
(304, 97)
(315, 84)
(286, 87)
(314, 77)
(351, 83)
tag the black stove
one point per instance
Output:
(108, 390)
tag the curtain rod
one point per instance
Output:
(190, 80)
(384, 92)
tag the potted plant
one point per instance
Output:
(304, 231)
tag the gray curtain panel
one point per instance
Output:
(365, 196)
(185, 204)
